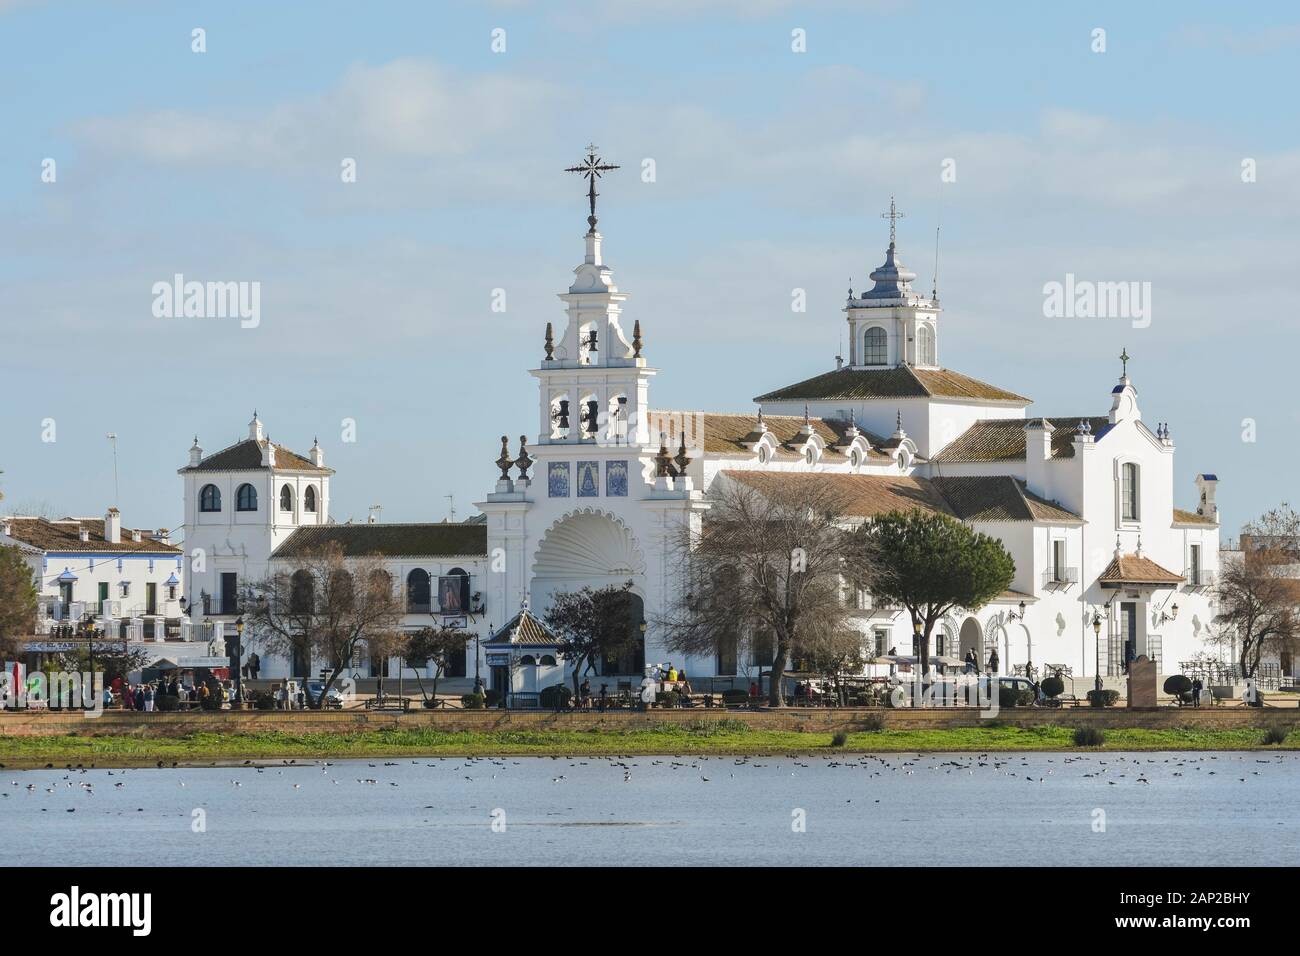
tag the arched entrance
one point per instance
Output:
(594, 549)
(971, 638)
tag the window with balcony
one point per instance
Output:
(286, 498)
(309, 499)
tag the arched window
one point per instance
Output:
(210, 498)
(1130, 490)
(286, 498)
(875, 347)
(418, 593)
(925, 346)
(547, 660)
(528, 660)
(309, 499)
(342, 596)
(246, 498)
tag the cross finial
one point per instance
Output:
(1124, 357)
(591, 168)
(893, 216)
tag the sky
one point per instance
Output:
(776, 134)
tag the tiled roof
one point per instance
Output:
(728, 434)
(902, 381)
(1003, 439)
(524, 629)
(440, 539)
(1132, 569)
(61, 535)
(247, 456)
(1191, 517)
(999, 498)
(864, 496)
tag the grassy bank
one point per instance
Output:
(724, 737)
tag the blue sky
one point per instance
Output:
(772, 168)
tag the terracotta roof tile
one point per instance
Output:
(441, 539)
(1131, 569)
(1003, 439)
(1191, 517)
(61, 535)
(999, 498)
(729, 434)
(902, 381)
(247, 456)
(864, 496)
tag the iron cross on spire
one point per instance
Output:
(1124, 357)
(592, 168)
(893, 216)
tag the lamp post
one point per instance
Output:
(1096, 630)
(236, 656)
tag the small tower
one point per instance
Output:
(891, 324)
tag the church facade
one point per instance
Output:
(1112, 561)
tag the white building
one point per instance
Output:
(125, 582)
(1085, 503)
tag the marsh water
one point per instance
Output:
(1155, 809)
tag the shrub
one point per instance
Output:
(839, 739)
(492, 697)
(667, 699)
(473, 701)
(1103, 698)
(1178, 684)
(260, 699)
(1089, 736)
(555, 697)
(1014, 697)
(167, 702)
(872, 723)
(1052, 686)
(1275, 735)
(734, 697)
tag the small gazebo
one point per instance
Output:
(523, 657)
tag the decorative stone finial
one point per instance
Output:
(663, 467)
(636, 339)
(550, 343)
(504, 461)
(525, 460)
(682, 459)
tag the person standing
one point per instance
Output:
(993, 661)
(1197, 687)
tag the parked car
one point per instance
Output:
(314, 688)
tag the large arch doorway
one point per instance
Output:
(594, 549)
(971, 638)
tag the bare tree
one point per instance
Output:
(770, 558)
(328, 606)
(1258, 592)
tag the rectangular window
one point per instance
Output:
(1129, 492)
(1194, 565)
(727, 657)
(1058, 560)
(456, 663)
(881, 641)
(762, 652)
(557, 479)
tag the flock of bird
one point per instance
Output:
(1110, 769)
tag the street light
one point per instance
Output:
(237, 657)
(1096, 630)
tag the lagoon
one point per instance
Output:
(1156, 809)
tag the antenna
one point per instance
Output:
(451, 507)
(112, 437)
(938, 219)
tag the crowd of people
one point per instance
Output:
(144, 696)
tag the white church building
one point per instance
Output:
(1085, 503)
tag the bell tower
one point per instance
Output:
(593, 380)
(891, 324)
